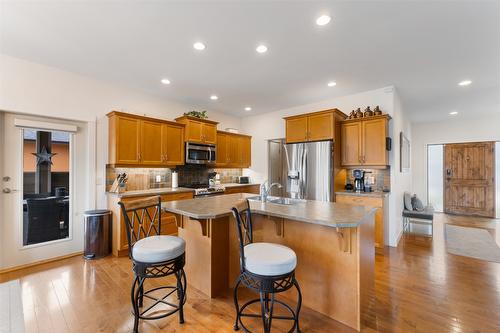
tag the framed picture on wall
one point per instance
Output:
(404, 155)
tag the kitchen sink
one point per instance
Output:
(278, 200)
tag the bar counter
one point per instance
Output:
(333, 243)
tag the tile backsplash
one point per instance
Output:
(145, 178)
(382, 178)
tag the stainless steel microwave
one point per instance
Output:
(200, 154)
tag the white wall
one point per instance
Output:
(272, 126)
(27, 87)
(3, 184)
(400, 182)
(453, 130)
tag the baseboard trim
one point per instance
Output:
(40, 262)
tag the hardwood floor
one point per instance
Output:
(419, 288)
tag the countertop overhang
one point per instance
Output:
(329, 214)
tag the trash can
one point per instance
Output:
(97, 233)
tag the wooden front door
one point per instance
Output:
(469, 180)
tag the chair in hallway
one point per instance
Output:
(422, 217)
(265, 268)
(153, 256)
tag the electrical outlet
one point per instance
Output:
(158, 178)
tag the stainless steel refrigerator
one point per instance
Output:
(307, 170)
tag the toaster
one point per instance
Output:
(243, 180)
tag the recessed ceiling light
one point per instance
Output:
(248, 108)
(323, 20)
(453, 113)
(464, 83)
(214, 97)
(332, 84)
(261, 49)
(165, 81)
(199, 46)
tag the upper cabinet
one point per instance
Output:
(142, 141)
(316, 126)
(233, 150)
(364, 141)
(199, 130)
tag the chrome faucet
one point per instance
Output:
(265, 188)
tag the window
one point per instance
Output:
(46, 185)
(435, 193)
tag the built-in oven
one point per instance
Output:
(200, 154)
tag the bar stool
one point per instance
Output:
(153, 256)
(265, 268)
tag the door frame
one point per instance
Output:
(493, 174)
(20, 192)
(83, 190)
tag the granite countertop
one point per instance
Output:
(152, 191)
(375, 194)
(166, 190)
(316, 212)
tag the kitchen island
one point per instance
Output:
(333, 243)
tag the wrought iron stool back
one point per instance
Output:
(243, 216)
(266, 286)
(143, 219)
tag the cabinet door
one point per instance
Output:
(221, 154)
(234, 156)
(373, 142)
(127, 140)
(320, 127)
(296, 130)
(246, 151)
(351, 143)
(150, 143)
(194, 131)
(209, 133)
(173, 144)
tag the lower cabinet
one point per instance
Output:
(380, 214)
(168, 223)
(251, 188)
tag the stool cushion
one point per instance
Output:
(156, 249)
(269, 259)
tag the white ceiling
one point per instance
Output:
(423, 48)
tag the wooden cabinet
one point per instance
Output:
(316, 126)
(141, 141)
(151, 143)
(222, 151)
(168, 222)
(172, 140)
(351, 143)
(380, 214)
(199, 130)
(364, 141)
(233, 150)
(124, 140)
(296, 129)
(250, 188)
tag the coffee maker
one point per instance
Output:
(359, 180)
